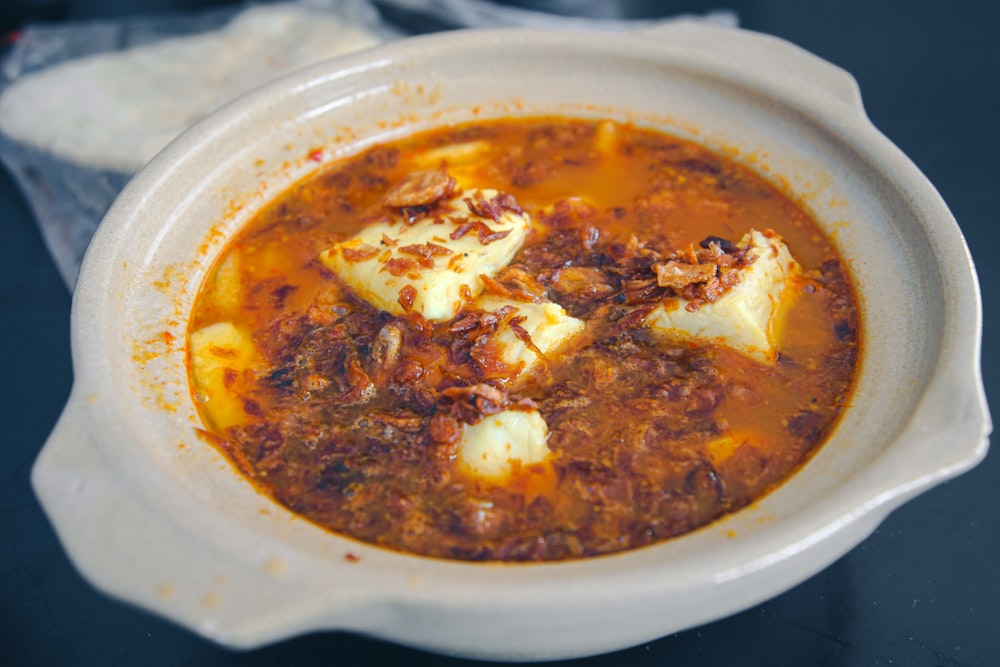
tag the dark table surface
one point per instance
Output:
(924, 589)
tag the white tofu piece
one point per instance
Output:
(441, 289)
(228, 284)
(216, 350)
(721, 449)
(463, 161)
(747, 316)
(547, 323)
(492, 449)
(607, 138)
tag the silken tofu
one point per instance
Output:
(432, 265)
(748, 315)
(546, 323)
(493, 448)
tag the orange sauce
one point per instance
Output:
(651, 437)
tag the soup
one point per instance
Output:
(524, 340)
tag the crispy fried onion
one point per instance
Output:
(471, 403)
(582, 273)
(421, 189)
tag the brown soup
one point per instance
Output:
(357, 416)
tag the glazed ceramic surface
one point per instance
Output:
(152, 514)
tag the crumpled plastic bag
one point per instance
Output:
(83, 106)
(602, 15)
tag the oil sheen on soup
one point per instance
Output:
(524, 340)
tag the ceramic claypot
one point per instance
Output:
(154, 515)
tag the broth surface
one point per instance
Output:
(350, 415)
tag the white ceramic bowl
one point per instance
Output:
(153, 515)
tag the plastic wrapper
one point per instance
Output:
(83, 106)
(603, 15)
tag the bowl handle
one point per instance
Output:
(128, 549)
(116, 542)
(755, 55)
(109, 537)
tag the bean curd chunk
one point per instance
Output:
(437, 256)
(522, 340)
(747, 316)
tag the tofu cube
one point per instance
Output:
(493, 449)
(218, 350)
(547, 324)
(464, 161)
(429, 265)
(747, 317)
